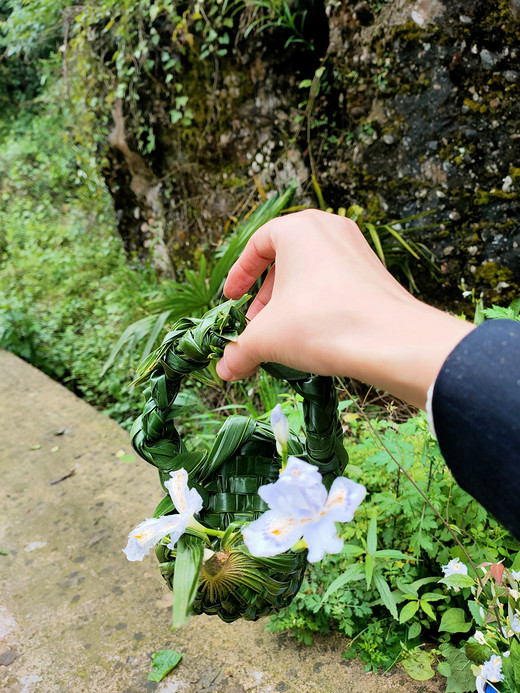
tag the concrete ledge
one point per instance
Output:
(75, 615)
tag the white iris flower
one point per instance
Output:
(490, 672)
(187, 502)
(299, 506)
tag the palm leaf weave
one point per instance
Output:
(232, 583)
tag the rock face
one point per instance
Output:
(414, 112)
(437, 82)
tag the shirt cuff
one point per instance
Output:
(429, 410)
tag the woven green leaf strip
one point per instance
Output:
(232, 583)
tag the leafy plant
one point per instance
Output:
(268, 14)
(408, 609)
(371, 568)
(510, 312)
(56, 239)
(201, 288)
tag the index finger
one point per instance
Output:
(256, 257)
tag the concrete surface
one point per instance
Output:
(75, 615)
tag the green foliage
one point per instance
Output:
(29, 34)
(65, 287)
(393, 619)
(511, 312)
(138, 51)
(201, 288)
(268, 14)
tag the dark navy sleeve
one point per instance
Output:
(476, 414)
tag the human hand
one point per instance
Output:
(329, 306)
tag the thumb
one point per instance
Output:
(239, 359)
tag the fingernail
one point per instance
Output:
(224, 371)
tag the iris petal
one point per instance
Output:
(271, 534)
(146, 535)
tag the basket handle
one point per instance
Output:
(191, 346)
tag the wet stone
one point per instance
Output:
(7, 657)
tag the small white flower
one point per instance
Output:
(454, 567)
(145, 536)
(479, 637)
(506, 654)
(490, 672)
(515, 574)
(280, 427)
(299, 506)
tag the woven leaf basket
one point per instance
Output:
(231, 582)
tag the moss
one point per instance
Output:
(491, 274)
(410, 32)
(481, 197)
(484, 197)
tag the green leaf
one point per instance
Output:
(414, 631)
(376, 241)
(408, 611)
(514, 662)
(408, 590)
(425, 606)
(432, 597)
(453, 621)
(475, 612)
(422, 581)
(401, 240)
(188, 562)
(235, 432)
(392, 553)
(353, 573)
(444, 669)
(352, 550)
(369, 569)
(163, 662)
(386, 595)
(461, 679)
(458, 580)
(477, 653)
(418, 665)
(516, 562)
(372, 536)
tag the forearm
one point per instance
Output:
(405, 350)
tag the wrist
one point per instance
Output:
(407, 349)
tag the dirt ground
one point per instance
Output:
(75, 615)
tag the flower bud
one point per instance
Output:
(280, 427)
